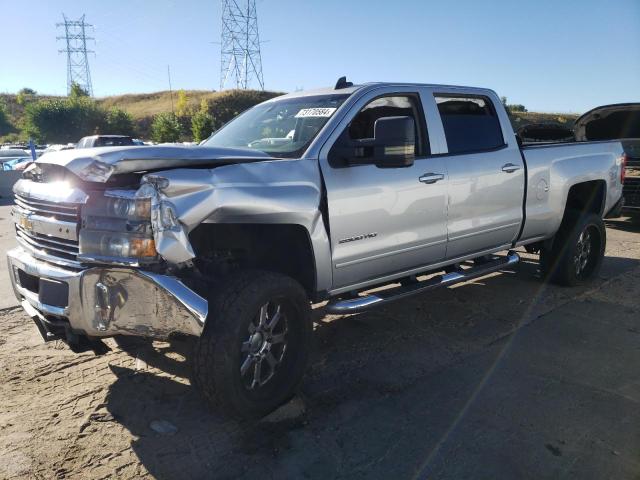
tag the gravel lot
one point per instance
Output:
(499, 378)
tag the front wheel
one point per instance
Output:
(255, 345)
(577, 251)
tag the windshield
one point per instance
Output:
(281, 128)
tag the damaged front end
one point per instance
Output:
(87, 266)
(105, 247)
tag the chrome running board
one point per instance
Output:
(373, 300)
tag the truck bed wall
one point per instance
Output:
(552, 170)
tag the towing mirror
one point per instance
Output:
(393, 145)
(394, 142)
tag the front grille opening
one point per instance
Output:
(54, 293)
(28, 281)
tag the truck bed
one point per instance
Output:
(552, 165)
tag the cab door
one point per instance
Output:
(383, 221)
(486, 175)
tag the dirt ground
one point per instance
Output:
(500, 378)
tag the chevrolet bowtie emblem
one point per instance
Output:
(26, 223)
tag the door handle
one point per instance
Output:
(510, 168)
(431, 177)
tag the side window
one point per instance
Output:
(470, 123)
(362, 125)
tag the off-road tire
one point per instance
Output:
(558, 263)
(218, 354)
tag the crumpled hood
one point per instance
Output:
(98, 164)
(609, 122)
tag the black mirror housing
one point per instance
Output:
(395, 142)
(393, 145)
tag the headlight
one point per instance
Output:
(116, 228)
(128, 204)
(102, 245)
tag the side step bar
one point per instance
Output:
(368, 302)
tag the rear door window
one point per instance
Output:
(470, 123)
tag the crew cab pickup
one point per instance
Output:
(313, 196)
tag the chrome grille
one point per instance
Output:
(61, 211)
(50, 245)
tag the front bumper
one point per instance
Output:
(104, 301)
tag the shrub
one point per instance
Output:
(5, 124)
(517, 108)
(77, 91)
(201, 123)
(182, 105)
(63, 121)
(25, 95)
(119, 122)
(231, 103)
(165, 128)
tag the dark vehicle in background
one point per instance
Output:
(545, 132)
(105, 141)
(617, 122)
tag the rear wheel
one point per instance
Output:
(255, 345)
(577, 251)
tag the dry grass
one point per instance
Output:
(141, 105)
(519, 119)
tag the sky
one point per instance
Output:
(549, 55)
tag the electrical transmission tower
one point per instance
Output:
(76, 50)
(240, 53)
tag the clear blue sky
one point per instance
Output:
(550, 55)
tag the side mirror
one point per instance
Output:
(394, 142)
(393, 145)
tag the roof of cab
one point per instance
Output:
(355, 88)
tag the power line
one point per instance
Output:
(241, 61)
(76, 50)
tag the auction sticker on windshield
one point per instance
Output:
(315, 112)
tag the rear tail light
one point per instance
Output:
(623, 167)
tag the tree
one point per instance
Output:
(25, 95)
(77, 91)
(517, 108)
(5, 124)
(182, 105)
(119, 122)
(202, 122)
(227, 105)
(63, 120)
(165, 128)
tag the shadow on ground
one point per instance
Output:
(460, 382)
(626, 224)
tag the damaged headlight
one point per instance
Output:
(101, 244)
(116, 228)
(122, 204)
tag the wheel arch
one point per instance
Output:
(589, 196)
(283, 248)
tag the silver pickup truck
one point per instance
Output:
(314, 196)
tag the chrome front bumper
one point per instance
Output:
(105, 301)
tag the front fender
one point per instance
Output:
(270, 192)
